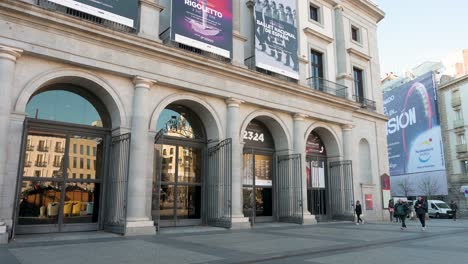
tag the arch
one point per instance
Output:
(84, 79)
(329, 137)
(277, 127)
(365, 164)
(207, 114)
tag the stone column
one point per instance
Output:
(8, 57)
(238, 39)
(299, 146)
(138, 221)
(149, 19)
(232, 131)
(343, 74)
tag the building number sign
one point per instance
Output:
(254, 136)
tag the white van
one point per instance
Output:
(438, 209)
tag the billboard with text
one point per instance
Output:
(276, 40)
(203, 24)
(415, 149)
(122, 12)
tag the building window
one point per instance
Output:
(88, 150)
(37, 173)
(461, 139)
(74, 148)
(89, 176)
(171, 152)
(358, 84)
(74, 175)
(94, 151)
(355, 34)
(88, 164)
(81, 149)
(464, 166)
(316, 61)
(75, 161)
(81, 163)
(81, 175)
(314, 12)
(458, 114)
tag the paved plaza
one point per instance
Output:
(445, 241)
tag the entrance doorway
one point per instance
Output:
(258, 195)
(61, 179)
(317, 176)
(177, 183)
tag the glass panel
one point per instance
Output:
(189, 165)
(188, 202)
(76, 167)
(179, 121)
(263, 170)
(168, 164)
(64, 106)
(81, 203)
(166, 204)
(263, 202)
(247, 207)
(40, 202)
(248, 169)
(42, 159)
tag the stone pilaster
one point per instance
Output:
(238, 53)
(149, 20)
(342, 61)
(347, 141)
(138, 220)
(232, 131)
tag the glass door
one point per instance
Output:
(316, 168)
(60, 184)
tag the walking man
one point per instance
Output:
(421, 208)
(401, 209)
(454, 207)
(358, 211)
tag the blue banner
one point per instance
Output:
(414, 136)
(203, 24)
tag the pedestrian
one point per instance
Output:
(401, 210)
(358, 210)
(391, 209)
(454, 207)
(420, 206)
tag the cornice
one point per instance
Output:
(463, 78)
(311, 32)
(152, 4)
(368, 7)
(359, 54)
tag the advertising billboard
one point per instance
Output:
(122, 12)
(415, 150)
(276, 40)
(203, 24)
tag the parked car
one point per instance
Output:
(439, 209)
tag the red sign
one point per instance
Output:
(369, 203)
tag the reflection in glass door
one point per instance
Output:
(257, 187)
(61, 182)
(180, 194)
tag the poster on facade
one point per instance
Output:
(122, 12)
(276, 43)
(414, 139)
(203, 24)
(369, 202)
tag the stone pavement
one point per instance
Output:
(445, 241)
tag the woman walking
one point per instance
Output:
(358, 210)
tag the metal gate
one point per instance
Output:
(288, 188)
(116, 185)
(158, 150)
(218, 185)
(341, 191)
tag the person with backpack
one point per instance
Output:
(401, 210)
(420, 206)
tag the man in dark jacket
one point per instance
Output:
(358, 210)
(420, 206)
(401, 210)
(454, 207)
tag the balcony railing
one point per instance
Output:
(250, 63)
(458, 123)
(327, 86)
(59, 149)
(461, 148)
(84, 16)
(28, 163)
(165, 36)
(29, 147)
(42, 148)
(365, 103)
(41, 163)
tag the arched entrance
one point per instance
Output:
(258, 172)
(66, 137)
(317, 176)
(178, 178)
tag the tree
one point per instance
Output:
(428, 187)
(404, 187)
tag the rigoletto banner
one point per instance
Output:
(122, 12)
(203, 24)
(414, 138)
(276, 37)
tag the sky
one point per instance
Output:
(414, 31)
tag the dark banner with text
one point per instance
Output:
(203, 24)
(276, 40)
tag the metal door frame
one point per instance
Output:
(341, 195)
(325, 202)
